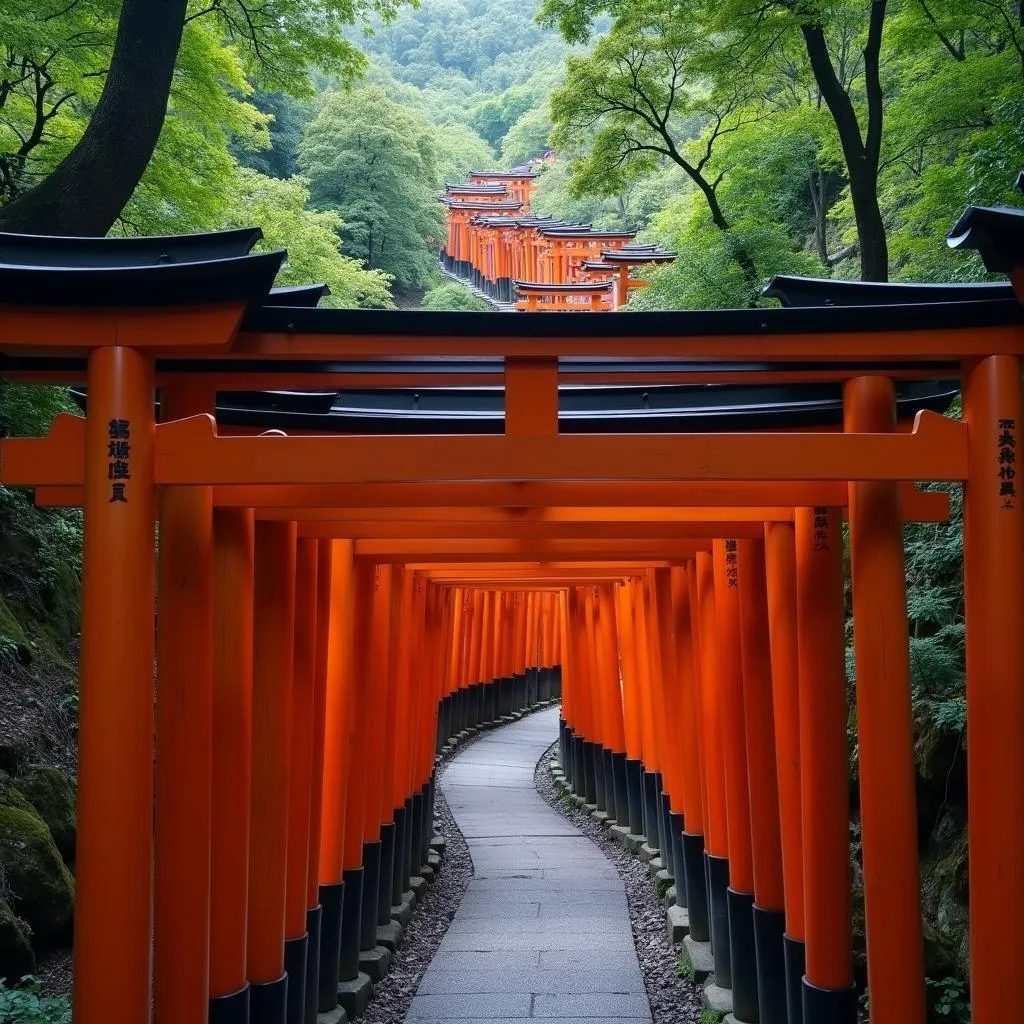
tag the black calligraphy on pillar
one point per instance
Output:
(119, 453)
(1007, 449)
(820, 528)
(731, 569)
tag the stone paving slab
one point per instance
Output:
(543, 931)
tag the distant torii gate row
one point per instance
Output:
(330, 607)
(538, 263)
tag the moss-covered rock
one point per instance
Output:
(16, 956)
(41, 889)
(11, 794)
(54, 795)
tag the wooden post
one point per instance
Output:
(301, 752)
(716, 841)
(114, 861)
(995, 686)
(888, 802)
(780, 566)
(828, 992)
(233, 531)
(273, 667)
(768, 912)
(729, 680)
(184, 738)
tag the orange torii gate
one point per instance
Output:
(539, 260)
(757, 591)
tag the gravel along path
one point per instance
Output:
(673, 999)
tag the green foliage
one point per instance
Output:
(40, 549)
(684, 965)
(527, 138)
(377, 165)
(453, 296)
(459, 151)
(22, 1004)
(744, 95)
(280, 158)
(709, 1016)
(311, 238)
(951, 1000)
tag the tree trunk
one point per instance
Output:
(874, 247)
(817, 187)
(861, 154)
(87, 191)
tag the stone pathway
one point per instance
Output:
(543, 930)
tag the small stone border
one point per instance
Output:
(432, 916)
(674, 999)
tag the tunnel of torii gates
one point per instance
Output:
(536, 263)
(377, 529)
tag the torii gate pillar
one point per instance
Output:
(114, 857)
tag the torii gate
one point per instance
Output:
(191, 317)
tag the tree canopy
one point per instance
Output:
(377, 165)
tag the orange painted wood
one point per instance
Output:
(115, 739)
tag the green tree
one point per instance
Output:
(640, 97)
(100, 108)
(453, 296)
(459, 151)
(377, 165)
(311, 238)
(527, 138)
(280, 158)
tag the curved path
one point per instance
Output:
(543, 930)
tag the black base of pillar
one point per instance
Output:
(232, 1009)
(295, 953)
(387, 867)
(350, 938)
(718, 889)
(742, 956)
(579, 761)
(409, 843)
(597, 752)
(675, 829)
(557, 678)
(590, 775)
(665, 833)
(635, 783)
(371, 896)
(416, 833)
(332, 900)
(398, 860)
(621, 789)
(796, 962)
(769, 928)
(829, 1005)
(696, 886)
(652, 809)
(313, 919)
(268, 1002)
(608, 767)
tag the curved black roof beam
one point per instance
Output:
(685, 323)
(794, 291)
(664, 409)
(235, 279)
(307, 296)
(133, 251)
(996, 233)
